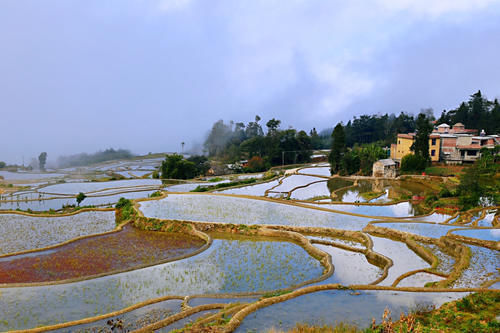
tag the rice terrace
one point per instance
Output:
(233, 258)
(249, 166)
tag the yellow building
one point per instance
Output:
(405, 141)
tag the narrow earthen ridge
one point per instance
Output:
(462, 256)
(475, 241)
(230, 309)
(178, 316)
(57, 214)
(303, 186)
(243, 185)
(96, 318)
(460, 252)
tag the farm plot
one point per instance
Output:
(229, 266)
(21, 233)
(123, 250)
(216, 208)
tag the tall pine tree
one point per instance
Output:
(338, 148)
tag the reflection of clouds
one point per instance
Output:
(404, 259)
(350, 267)
(411, 300)
(291, 182)
(419, 280)
(227, 266)
(257, 190)
(495, 233)
(311, 191)
(245, 211)
(401, 209)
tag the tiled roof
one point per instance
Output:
(406, 136)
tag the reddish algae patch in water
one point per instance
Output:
(103, 254)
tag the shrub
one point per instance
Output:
(125, 210)
(155, 194)
(413, 163)
(256, 164)
(80, 197)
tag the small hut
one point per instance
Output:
(384, 168)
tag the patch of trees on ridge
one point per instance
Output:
(84, 159)
(236, 141)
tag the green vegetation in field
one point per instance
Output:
(80, 197)
(200, 188)
(176, 167)
(480, 184)
(125, 210)
(155, 194)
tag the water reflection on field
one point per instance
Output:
(331, 307)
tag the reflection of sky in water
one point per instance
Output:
(291, 182)
(311, 191)
(132, 320)
(484, 266)
(43, 205)
(422, 229)
(75, 188)
(404, 259)
(349, 267)
(20, 233)
(419, 280)
(332, 307)
(402, 209)
(245, 211)
(227, 266)
(484, 234)
(257, 190)
(321, 171)
(487, 221)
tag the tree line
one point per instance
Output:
(85, 159)
(234, 142)
(477, 113)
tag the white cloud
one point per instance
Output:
(435, 8)
(173, 5)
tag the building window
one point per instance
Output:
(471, 153)
(399, 142)
(433, 142)
(433, 152)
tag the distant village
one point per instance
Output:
(448, 144)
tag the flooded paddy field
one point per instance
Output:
(97, 255)
(312, 236)
(332, 307)
(214, 208)
(231, 265)
(20, 232)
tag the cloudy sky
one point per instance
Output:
(84, 75)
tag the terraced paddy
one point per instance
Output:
(223, 209)
(230, 265)
(256, 263)
(21, 232)
(123, 250)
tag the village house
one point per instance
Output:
(385, 168)
(454, 145)
(405, 141)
